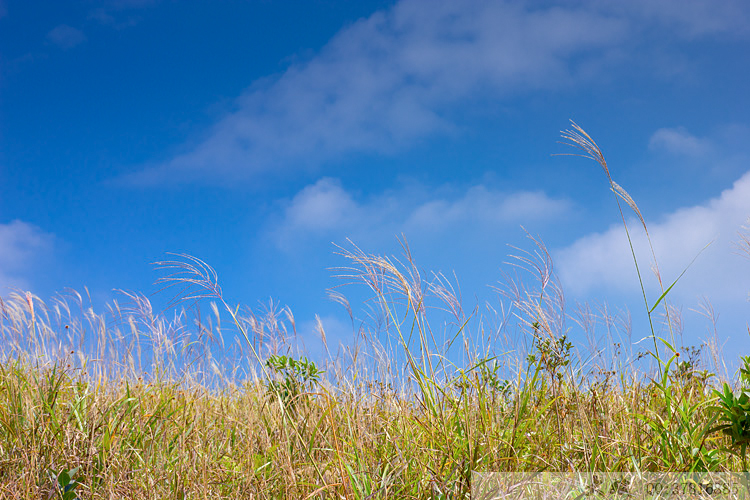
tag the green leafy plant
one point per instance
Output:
(484, 376)
(295, 377)
(734, 413)
(66, 484)
(551, 355)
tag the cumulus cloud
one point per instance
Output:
(680, 142)
(322, 206)
(327, 209)
(20, 245)
(66, 37)
(603, 260)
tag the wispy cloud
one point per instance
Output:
(390, 79)
(110, 13)
(387, 80)
(130, 4)
(20, 245)
(482, 205)
(66, 37)
(680, 142)
(102, 16)
(326, 210)
(688, 18)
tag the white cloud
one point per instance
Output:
(322, 206)
(680, 142)
(387, 80)
(603, 260)
(393, 78)
(327, 210)
(20, 245)
(66, 37)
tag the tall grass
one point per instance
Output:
(128, 403)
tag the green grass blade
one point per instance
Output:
(661, 297)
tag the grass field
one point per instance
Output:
(130, 404)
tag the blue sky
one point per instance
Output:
(254, 135)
